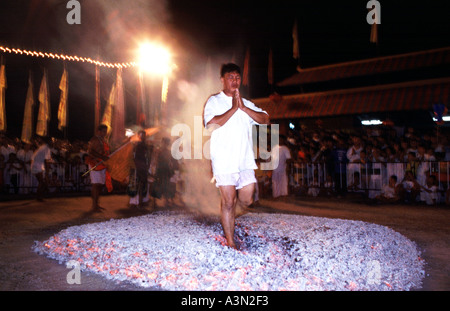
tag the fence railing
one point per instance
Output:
(351, 177)
(365, 177)
(60, 177)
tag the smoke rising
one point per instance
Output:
(200, 193)
(111, 31)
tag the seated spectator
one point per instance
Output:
(390, 193)
(430, 190)
(410, 189)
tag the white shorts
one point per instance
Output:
(98, 177)
(239, 180)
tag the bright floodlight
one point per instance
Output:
(154, 59)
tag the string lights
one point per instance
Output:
(66, 57)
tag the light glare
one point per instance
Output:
(154, 58)
(371, 122)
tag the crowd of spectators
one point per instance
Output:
(64, 172)
(381, 164)
(363, 161)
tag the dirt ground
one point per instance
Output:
(24, 221)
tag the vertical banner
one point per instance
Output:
(141, 115)
(107, 114)
(118, 116)
(62, 108)
(295, 46)
(165, 89)
(44, 107)
(270, 68)
(3, 87)
(27, 126)
(97, 98)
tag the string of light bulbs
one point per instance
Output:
(66, 57)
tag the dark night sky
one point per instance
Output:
(329, 32)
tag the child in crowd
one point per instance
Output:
(430, 191)
(390, 193)
(411, 188)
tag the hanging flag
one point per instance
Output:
(165, 89)
(121, 162)
(246, 68)
(107, 114)
(295, 46)
(270, 68)
(141, 111)
(27, 127)
(44, 107)
(118, 116)
(3, 87)
(97, 97)
(62, 109)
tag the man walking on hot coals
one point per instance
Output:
(230, 117)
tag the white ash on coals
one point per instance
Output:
(178, 251)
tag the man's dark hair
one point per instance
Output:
(230, 67)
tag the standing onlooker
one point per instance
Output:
(340, 163)
(142, 158)
(39, 165)
(14, 168)
(353, 156)
(280, 155)
(98, 152)
(25, 154)
(163, 187)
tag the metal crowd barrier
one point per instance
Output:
(353, 177)
(364, 177)
(61, 178)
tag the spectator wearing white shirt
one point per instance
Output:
(353, 156)
(39, 160)
(280, 154)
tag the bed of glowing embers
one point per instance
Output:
(180, 251)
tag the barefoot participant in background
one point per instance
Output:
(98, 151)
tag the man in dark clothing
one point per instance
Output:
(142, 159)
(340, 169)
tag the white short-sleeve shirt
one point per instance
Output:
(231, 145)
(38, 159)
